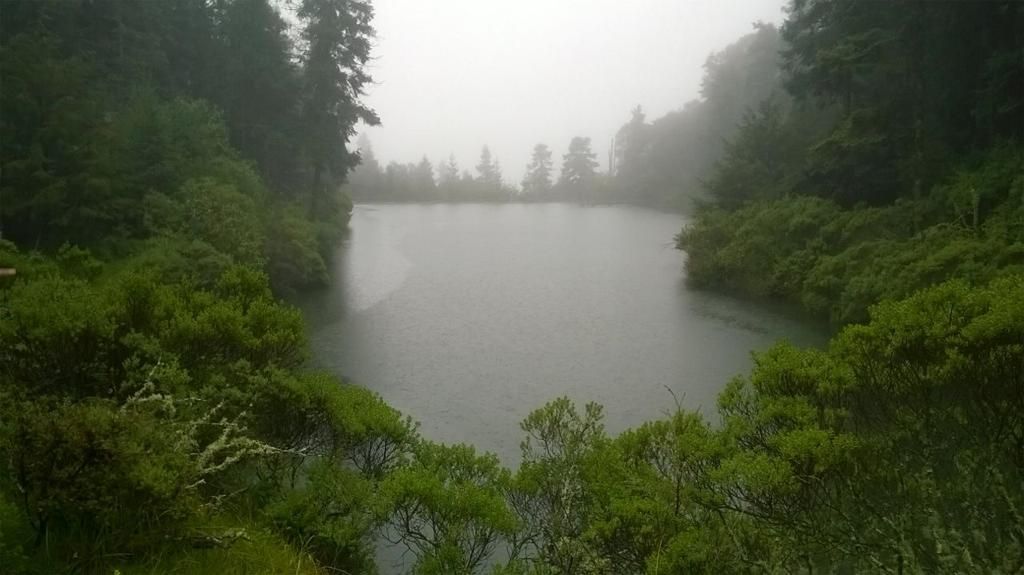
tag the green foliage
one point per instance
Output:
(322, 417)
(97, 477)
(756, 163)
(263, 122)
(331, 517)
(249, 550)
(448, 506)
(292, 250)
(48, 158)
(114, 141)
(910, 101)
(131, 408)
(177, 259)
(56, 339)
(551, 498)
(836, 262)
(224, 218)
(888, 431)
(14, 532)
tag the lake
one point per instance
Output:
(467, 317)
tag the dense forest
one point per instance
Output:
(169, 170)
(916, 179)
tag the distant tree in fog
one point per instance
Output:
(487, 170)
(448, 172)
(667, 160)
(423, 178)
(367, 158)
(579, 164)
(537, 181)
(631, 153)
(498, 179)
(366, 180)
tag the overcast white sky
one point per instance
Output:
(453, 75)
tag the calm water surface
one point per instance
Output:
(468, 317)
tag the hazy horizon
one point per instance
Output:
(451, 76)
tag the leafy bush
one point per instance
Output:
(837, 262)
(292, 249)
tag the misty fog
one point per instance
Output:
(451, 76)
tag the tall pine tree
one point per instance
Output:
(337, 35)
(537, 181)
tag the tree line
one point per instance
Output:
(577, 180)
